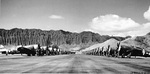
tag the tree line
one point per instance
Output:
(17, 36)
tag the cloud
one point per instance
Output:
(89, 30)
(118, 26)
(147, 14)
(56, 17)
(140, 31)
(112, 22)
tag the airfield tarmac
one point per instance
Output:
(73, 64)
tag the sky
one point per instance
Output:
(106, 17)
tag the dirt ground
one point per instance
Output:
(74, 64)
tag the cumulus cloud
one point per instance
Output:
(147, 14)
(89, 30)
(113, 23)
(56, 17)
(118, 26)
(140, 31)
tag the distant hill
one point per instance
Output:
(112, 42)
(17, 36)
(138, 41)
(144, 41)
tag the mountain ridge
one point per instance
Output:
(18, 36)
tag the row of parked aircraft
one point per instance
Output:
(114, 48)
(34, 50)
(110, 48)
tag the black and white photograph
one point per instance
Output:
(75, 36)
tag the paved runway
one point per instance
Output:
(73, 64)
